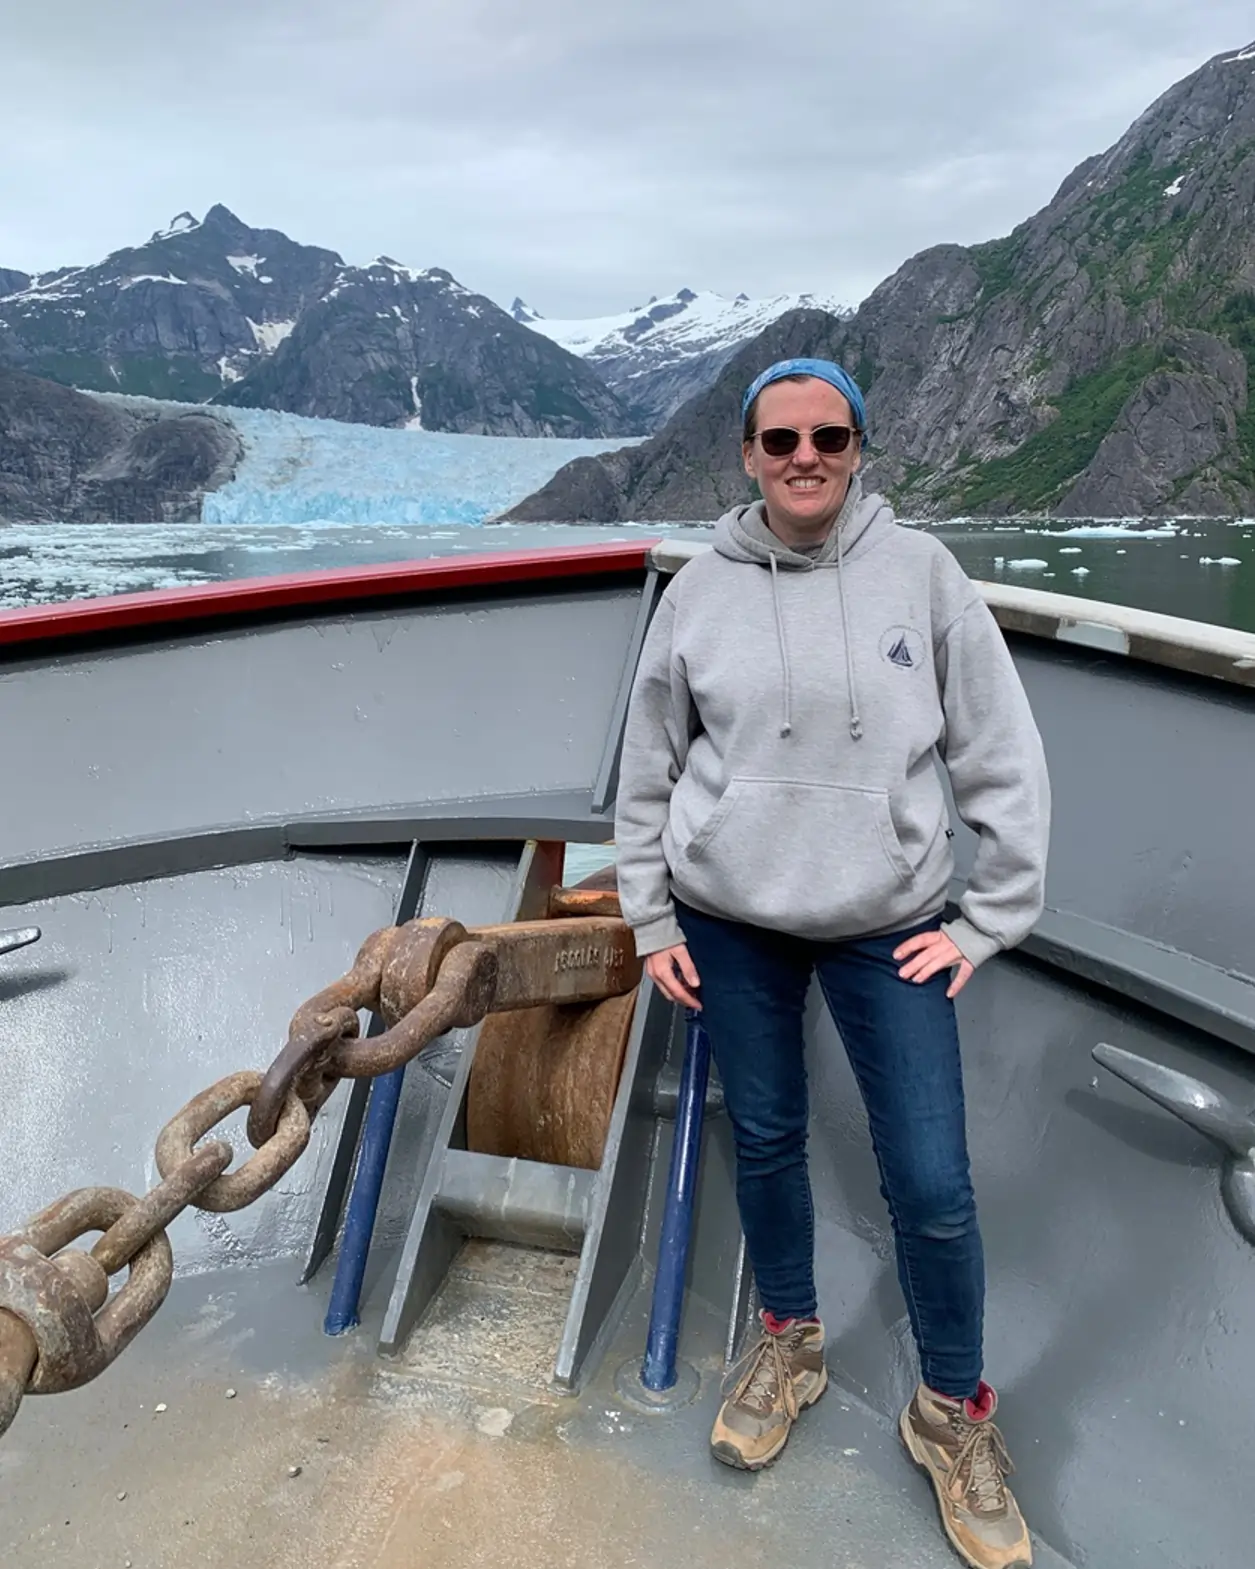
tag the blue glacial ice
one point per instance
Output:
(298, 470)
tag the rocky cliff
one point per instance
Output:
(1093, 362)
(214, 309)
(67, 457)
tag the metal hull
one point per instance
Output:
(206, 817)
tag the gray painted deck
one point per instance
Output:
(1121, 1324)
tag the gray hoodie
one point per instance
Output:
(788, 712)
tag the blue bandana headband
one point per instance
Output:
(822, 370)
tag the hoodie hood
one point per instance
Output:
(743, 535)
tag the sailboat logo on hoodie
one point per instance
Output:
(903, 647)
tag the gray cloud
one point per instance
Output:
(583, 155)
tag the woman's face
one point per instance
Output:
(804, 491)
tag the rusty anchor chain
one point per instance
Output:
(60, 1327)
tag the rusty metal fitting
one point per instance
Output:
(258, 1174)
(18, 1355)
(57, 1298)
(323, 1036)
(154, 1212)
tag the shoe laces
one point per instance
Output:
(980, 1464)
(763, 1376)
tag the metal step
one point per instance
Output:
(597, 1215)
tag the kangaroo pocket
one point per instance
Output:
(820, 860)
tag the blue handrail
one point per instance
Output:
(359, 1222)
(658, 1370)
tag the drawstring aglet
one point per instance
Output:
(856, 729)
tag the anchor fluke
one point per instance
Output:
(1205, 1110)
(10, 942)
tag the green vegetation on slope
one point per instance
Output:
(1036, 475)
(1236, 321)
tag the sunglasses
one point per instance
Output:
(780, 441)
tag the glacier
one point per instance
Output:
(299, 470)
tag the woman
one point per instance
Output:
(780, 815)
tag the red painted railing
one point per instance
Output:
(323, 589)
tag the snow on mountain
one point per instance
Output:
(659, 355)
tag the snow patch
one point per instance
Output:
(1247, 54)
(1175, 188)
(183, 224)
(270, 334)
(227, 371)
(246, 265)
(416, 422)
(152, 277)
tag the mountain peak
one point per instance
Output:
(220, 217)
(523, 312)
(661, 353)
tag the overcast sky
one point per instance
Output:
(583, 153)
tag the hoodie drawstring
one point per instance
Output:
(856, 723)
(786, 727)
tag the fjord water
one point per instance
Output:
(1202, 569)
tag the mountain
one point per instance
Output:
(390, 346)
(11, 282)
(1094, 362)
(179, 317)
(658, 356)
(69, 457)
(213, 309)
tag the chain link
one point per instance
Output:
(59, 1326)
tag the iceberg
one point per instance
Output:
(299, 470)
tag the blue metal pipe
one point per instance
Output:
(359, 1222)
(658, 1370)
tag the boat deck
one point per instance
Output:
(453, 1456)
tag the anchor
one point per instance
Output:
(10, 942)
(1205, 1110)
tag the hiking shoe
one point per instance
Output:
(957, 1444)
(780, 1375)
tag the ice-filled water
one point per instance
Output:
(313, 494)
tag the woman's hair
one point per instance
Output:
(750, 428)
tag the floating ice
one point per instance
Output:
(1219, 561)
(1028, 564)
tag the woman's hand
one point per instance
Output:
(674, 974)
(929, 953)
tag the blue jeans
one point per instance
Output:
(903, 1045)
